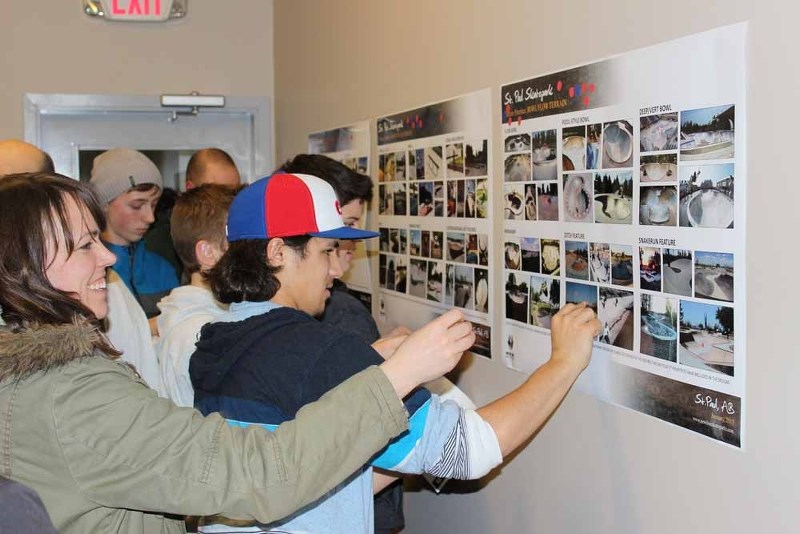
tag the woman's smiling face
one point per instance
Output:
(82, 273)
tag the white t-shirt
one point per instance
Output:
(129, 331)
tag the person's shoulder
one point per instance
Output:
(279, 325)
(345, 312)
(298, 326)
(152, 257)
(185, 331)
(340, 343)
(293, 330)
(94, 382)
(99, 365)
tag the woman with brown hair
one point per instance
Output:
(102, 450)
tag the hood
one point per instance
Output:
(222, 344)
(44, 347)
(186, 301)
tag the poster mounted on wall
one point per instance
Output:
(618, 191)
(435, 217)
(350, 145)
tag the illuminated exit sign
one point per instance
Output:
(136, 10)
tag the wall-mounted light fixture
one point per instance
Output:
(136, 10)
(191, 103)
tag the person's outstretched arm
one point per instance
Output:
(516, 416)
(451, 441)
(128, 449)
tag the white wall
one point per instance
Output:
(51, 46)
(594, 468)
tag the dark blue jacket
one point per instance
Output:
(265, 368)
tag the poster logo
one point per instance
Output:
(578, 89)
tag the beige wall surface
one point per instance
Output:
(51, 46)
(594, 468)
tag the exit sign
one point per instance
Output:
(136, 10)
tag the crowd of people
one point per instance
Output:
(192, 359)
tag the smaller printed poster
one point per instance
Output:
(435, 219)
(351, 145)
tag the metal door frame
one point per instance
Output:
(259, 108)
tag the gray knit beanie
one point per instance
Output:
(119, 170)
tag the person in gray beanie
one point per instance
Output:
(129, 185)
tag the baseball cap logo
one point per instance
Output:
(337, 206)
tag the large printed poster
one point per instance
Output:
(434, 174)
(624, 187)
(351, 145)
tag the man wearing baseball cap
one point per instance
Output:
(129, 185)
(269, 356)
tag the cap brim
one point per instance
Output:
(345, 232)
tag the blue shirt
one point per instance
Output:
(149, 276)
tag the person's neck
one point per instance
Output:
(110, 237)
(282, 299)
(197, 279)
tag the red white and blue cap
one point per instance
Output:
(286, 205)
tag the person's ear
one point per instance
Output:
(277, 252)
(206, 254)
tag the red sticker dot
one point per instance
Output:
(559, 86)
(572, 92)
(591, 88)
(586, 100)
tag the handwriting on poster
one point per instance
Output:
(518, 96)
(714, 404)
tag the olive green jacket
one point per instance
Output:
(107, 455)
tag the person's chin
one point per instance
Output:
(133, 238)
(137, 235)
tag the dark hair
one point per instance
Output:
(200, 213)
(348, 184)
(142, 188)
(196, 167)
(47, 164)
(34, 215)
(166, 202)
(244, 273)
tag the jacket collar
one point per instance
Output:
(44, 347)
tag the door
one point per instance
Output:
(75, 128)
